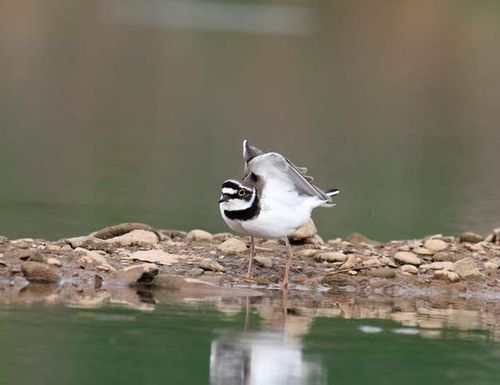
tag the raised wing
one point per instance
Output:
(274, 166)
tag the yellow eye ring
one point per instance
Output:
(241, 192)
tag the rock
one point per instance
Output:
(208, 264)
(222, 236)
(409, 269)
(466, 268)
(470, 237)
(154, 256)
(382, 273)
(358, 239)
(445, 274)
(263, 261)
(443, 256)
(435, 245)
(407, 258)
(371, 263)
(135, 237)
(446, 265)
(137, 274)
(422, 251)
(120, 229)
(332, 256)
(307, 253)
(199, 236)
(490, 265)
(349, 264)
(306, 231)
(92, 259)
(315, 240)
(494, 237)
(39, 272)
(232, 246)
(53, 262)
(86, 242)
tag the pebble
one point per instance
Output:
(490, 265)
(408, 258)
(208, 264)
(410, 269)
(222, 236)
(333, 256)
(382, 273)
(359, 239)
(232, 246)
(435, 245)
(306, 231)
(199, 236)
(136, 274)
(53, 262)
(470, 237)
(349, 264)
(135, 237)
(467, 268)
(263, 261)
(37, 271)
(307, 253)
(442, 256)
(445, 274)
(92, 259)
(154, 256)
(446, 265)
(371, 263)
(422, 251)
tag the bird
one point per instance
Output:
(272, 200)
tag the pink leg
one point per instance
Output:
(284, 284)
(252, 254)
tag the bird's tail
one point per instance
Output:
(331, 193)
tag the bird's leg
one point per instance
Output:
(252, 254)
(284, 284)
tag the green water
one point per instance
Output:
(117, 111)
(200, 344)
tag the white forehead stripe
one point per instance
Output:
(229, 190)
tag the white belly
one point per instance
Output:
(277, 220)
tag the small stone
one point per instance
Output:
(199, 236)
(36, 271)
(92, 259)
(333, 256)
(446, 265)
(53, 248)
(422, 251)
(371, 263)
(382, 273)
(407, 258)
(76, 242)
(306, 231)
(452, 276)
(53, 262)
(315, 240)
(490, 265)
(232, 246)
(135, 237)
(435, 245)
(404, 248)
(154, 256)
(307, 253)
(466, 268)
(222, 236)
(470, 237)
(358, 239)
(443, 256)
(349, 264)
(208, 264)
(136, 274)
(263, 261)
(409, 269)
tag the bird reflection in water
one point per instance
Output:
(263, 357)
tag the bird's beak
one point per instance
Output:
(223, 198)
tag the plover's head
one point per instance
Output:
(235, 196)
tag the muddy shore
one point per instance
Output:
(137, 255)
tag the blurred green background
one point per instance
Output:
(123, 110)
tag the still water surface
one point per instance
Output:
(225, 343)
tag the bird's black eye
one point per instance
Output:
(242, 192)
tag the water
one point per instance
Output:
(337, 340)
(117, 111)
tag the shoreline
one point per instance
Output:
(197, 263)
